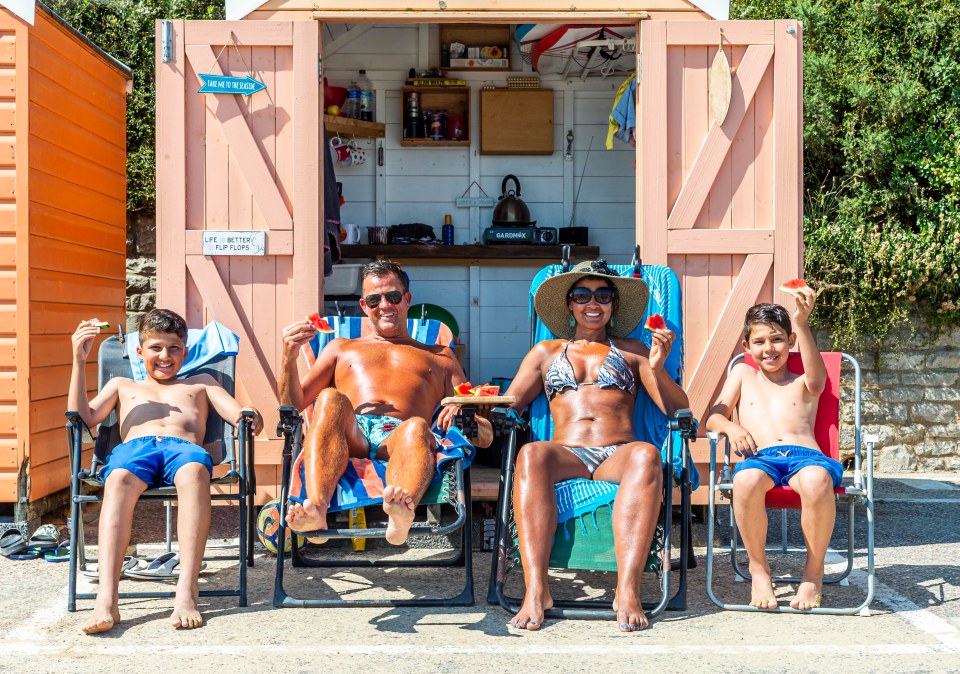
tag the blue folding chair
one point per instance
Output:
(450, 487)
(584, 537)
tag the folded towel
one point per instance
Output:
(203, 345)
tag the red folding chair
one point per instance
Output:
(860, 492)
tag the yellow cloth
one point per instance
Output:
(613, 127)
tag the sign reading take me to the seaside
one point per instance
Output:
(224, 84)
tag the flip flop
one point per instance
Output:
(61, 553)
(28, 552)
(12, 542)
(164, 567)
(46, 537)
(128, 563)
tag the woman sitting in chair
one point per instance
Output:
(591, 377)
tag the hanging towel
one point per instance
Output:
(203, 346)
(623, 117)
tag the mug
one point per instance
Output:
(357, 154)
(352, 234)
(341, 151)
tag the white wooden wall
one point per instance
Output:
(420, 185)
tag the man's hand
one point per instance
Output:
(742, 442)
(660, 347)
(296, 335)
(805, 297)
(82, 340)
(446, 417)
(257, 419)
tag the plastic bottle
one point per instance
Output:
(368, 102)
(351, 106)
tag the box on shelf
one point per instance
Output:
(479, 63)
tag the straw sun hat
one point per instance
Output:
(550, 300)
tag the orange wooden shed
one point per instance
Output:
(62, 234)
(719, 203)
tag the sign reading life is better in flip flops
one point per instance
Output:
(224, 84)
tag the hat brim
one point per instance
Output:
(550, 303)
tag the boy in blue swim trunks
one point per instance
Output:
(776, 410)
(162, 421)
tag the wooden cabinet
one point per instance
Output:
(455, 101)
(516, 121)
(489, 43)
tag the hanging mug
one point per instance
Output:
(341, 151)
(358, 155)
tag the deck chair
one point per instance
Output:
(584, 536)
(362, 485)
(235, 459)
(827, 433)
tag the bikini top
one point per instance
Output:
(614, 373)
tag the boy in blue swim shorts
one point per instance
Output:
(162, 421)
(776, 412)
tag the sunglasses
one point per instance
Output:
(601, 295)
(392, 296)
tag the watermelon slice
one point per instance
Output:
(792, 286)
(463, 389)
(320, 324)
(655, 322)
(486, 390)
(103, 325)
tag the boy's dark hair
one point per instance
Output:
(382, 268)
(161, 321)
(766, 314)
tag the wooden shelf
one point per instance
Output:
(455, 100)
(476, 35)
(506, 253)
(426, 142)
(353, 127)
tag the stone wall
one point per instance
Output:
(911, 401)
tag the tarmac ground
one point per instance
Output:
(913, 623)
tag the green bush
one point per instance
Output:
(125, 30)
(881, 161)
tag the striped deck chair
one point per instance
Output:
(860, 492)
(362, 485)
(584, 537)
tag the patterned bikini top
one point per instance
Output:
(614, 373)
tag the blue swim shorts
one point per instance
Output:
(376, 428)
(155, 459)
(784, 461)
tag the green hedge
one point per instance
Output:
(125, 30)
(881, 161)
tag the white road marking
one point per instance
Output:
(950, 501)
(930, 485)
(35, 627)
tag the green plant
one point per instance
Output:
(881, 161)
(125, 29)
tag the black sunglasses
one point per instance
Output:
(392, 296)
(601, 295)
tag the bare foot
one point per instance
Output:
(308, 517)
(809, 594)
(761, 591)
(102, 621)
(399, 507)
(530, 615)
(186, 615)
(630, 615)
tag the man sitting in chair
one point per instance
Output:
(777, 409)
(373, 397)
(162, 421)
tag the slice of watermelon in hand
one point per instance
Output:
(655, 322)
(320, 324)
(792, 286)
(463, 389)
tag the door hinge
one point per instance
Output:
(319, 68)
(167, 41)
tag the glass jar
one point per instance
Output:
(438, 125)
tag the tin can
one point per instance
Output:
(438, 125)
(447, 235)
(455, 127)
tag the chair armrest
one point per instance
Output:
(74, 419)
(714, 438)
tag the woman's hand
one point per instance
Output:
(446, 416)
(660, 347)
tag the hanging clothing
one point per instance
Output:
(623, 117)
(331, 214)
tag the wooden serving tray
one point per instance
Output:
(479, 400)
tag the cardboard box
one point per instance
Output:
(479, 63)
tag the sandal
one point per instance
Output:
(61, 553)
(46, 537)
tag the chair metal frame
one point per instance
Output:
(859, 493)
(239, 456)
(502, 561)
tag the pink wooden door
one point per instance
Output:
(229, 162)
(721, 205)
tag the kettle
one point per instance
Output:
(511, 210)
